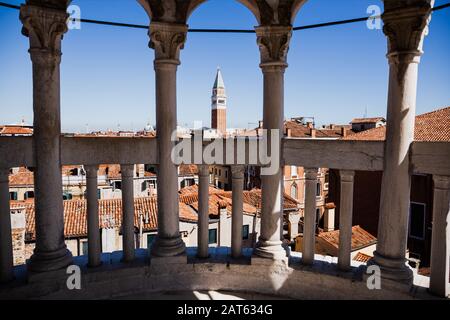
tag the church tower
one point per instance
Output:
(219, 105)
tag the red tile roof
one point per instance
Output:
(15, 130)
(110, 215)
(367, 120)
(360, 238)
(22, 178)
(361, 257)
(188, 170)
(110, 211)
(432, 126)
(298, 130)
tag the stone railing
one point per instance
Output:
(346, 156)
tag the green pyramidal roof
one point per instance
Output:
(219, 80)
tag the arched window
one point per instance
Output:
(294, 191)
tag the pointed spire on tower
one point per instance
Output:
(219, 80)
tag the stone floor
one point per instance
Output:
(200, 295)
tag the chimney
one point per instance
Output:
(288, 132)
(343, 132)
(140, 170)
(260, 124)
(328, 218)
(332, 126)
(309, 125)
(224, 226)
(313, 133)
(18, 225)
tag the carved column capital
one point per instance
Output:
(311, 173)
(273, 42)
(441, 182)
(91, 171)
(45, 28)
(347, 175)
(167, 39)
(237, 171)
(203, 170)
(405, 28)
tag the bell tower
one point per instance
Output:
(219, 105)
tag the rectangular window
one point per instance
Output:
(13, 196)
(150, 239)
(318, 189)
(84, 248)
(212, 236)
(417, 220)
(99, 194)
(245, 232)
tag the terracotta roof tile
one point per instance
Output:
(15, 130)
(22, 178)
(368, 120)
(188, 170)
(432, 126)
(362, 257)
(360, 238)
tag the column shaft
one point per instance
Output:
(345, 219)
(128, 234)
(310, 217)
(94, 242)
(237, 210)
(203, 211)
(440, 245)
(6, 248)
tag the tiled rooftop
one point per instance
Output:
(433, 127)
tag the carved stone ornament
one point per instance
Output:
(45, 28)
(167, 40)
(405, 29)
(273, 42)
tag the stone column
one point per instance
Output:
(440, 244)
(273, 42)
(310, 217)
(405, 28)
(128, 233)
(345, 219)
(94, 243)
(203, 211)
(237, 177)
(167, 39)
(45, 28)
(6, 248)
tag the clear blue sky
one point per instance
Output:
(107, 75)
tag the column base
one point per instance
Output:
(50, 261)
(270, 250)
(393, 269)
(168, 247)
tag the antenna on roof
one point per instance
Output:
(365, 113)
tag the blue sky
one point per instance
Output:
(107, 75)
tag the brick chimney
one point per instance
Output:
(309, 125)
(313, 133)
(288, 132)
(224, 236)
(18, 225)
(329, 217)
(343, 132)
(260, 124)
